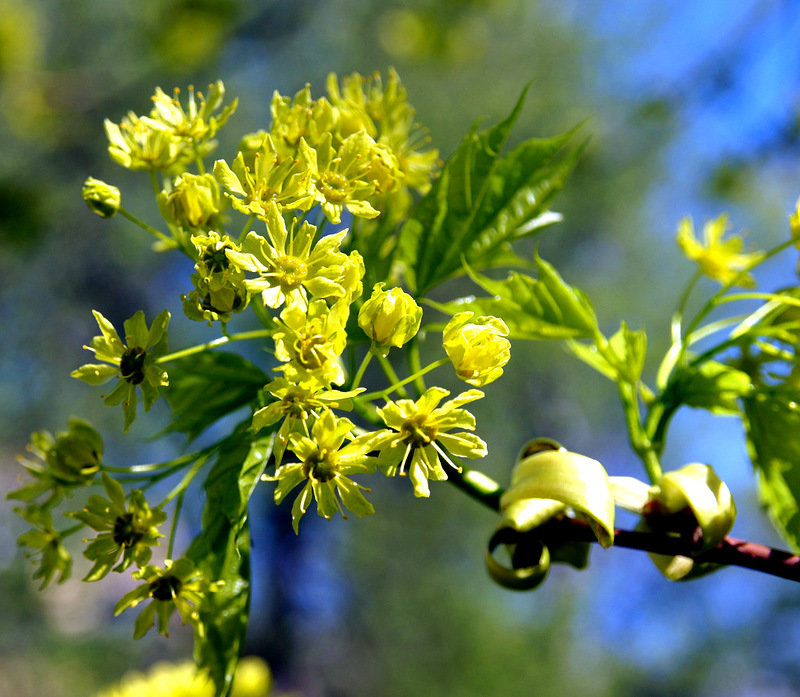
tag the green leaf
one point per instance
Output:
(621, 357)
(481, 202)
(772, 422)
(543, 308)
(713, 386)
(203, 388)
(222, 550)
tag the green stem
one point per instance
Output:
(477, 485)
(71, 530)
(241, 336)
(392, 375)
(361, 369)
(154, 182)
(174, 526)
(160, 235)
(415, 366)
(380, 394)
(180, 487)
(637, 435)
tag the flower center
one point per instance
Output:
(125, 533)
(333, 187)
(419, 431)
(309, 352)
(216, 260)
(291, 272)
(166, 588)
(131, 364)
(321, 466)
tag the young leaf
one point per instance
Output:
(481, 202)
(221, 551)
(543, 308)
(713, 386)
(203, 388)
(621, 357)
(772, 423)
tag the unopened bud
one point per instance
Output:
(101, 198)
(389, 317)
(477, 347)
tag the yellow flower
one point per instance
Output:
(478, 349)
(296, 403)
(721, 260)
(299, 118)
(220, 284)
(197, 123)
(176, 586)
(170, 137)
(337, 178)
(389, 318)
(134, 364)
(251, 187)
(192, 201)
(325, 464)
(383, 111)
(420, 431)
(252, 679)
(289, 264)
(310, 342)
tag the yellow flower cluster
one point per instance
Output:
(356, 153)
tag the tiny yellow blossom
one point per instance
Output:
(324, 465)
(101, 198)
(311, 342)
(389, 318)
(477, 348)
(289, 264)
(418, 432)
(337, 178)
(192, 201)
(721, 260)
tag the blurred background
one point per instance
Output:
(692, 109)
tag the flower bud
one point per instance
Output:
(101, 198)
(192, 201)
(478, 349)
(75, 456)
(389, 318)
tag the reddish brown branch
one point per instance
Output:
(730, 552)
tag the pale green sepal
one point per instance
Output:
(698, 487)
(95, 373)
(578, 481)
(158, 328)
(116, 494)
(136, 330)
(629, 493)
(227, 178)
(108, 331)
(523, 579)
(526, 514)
